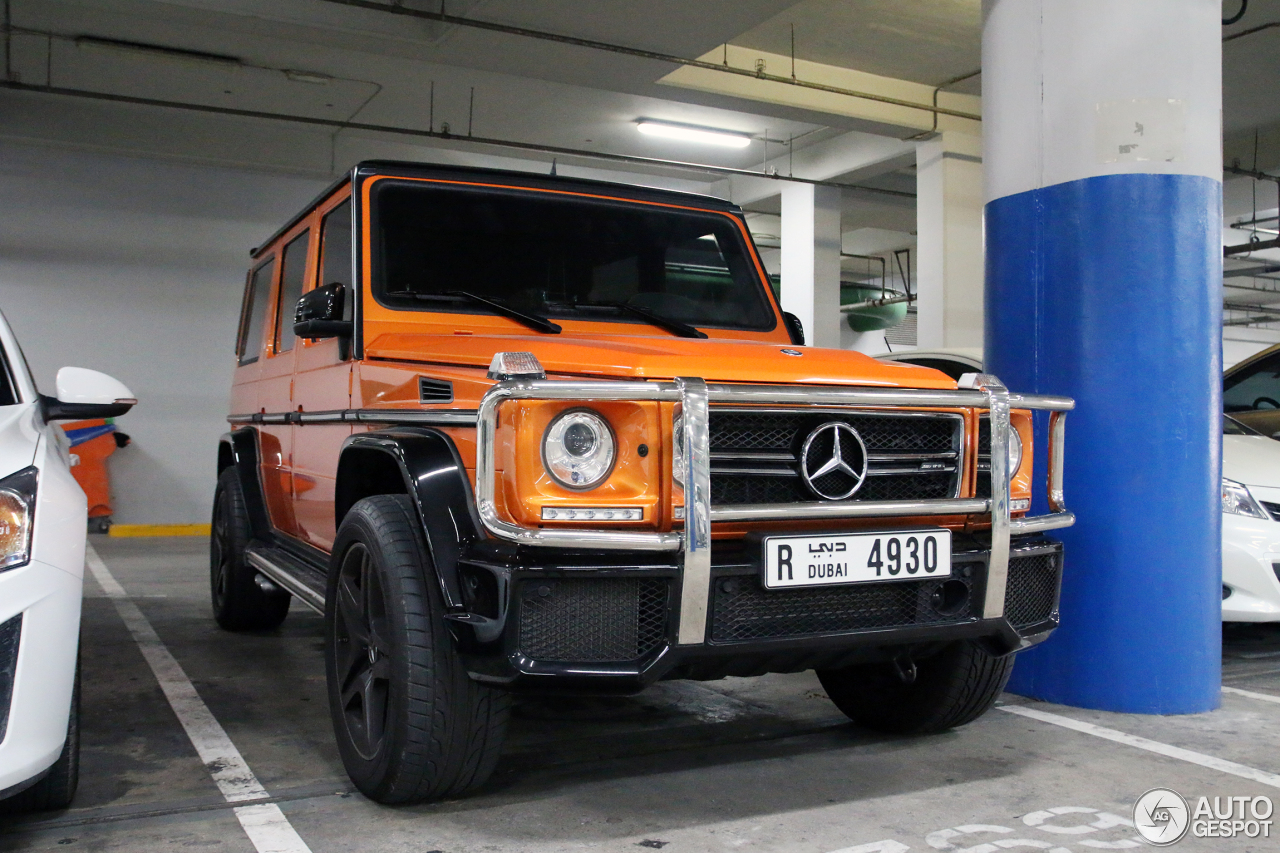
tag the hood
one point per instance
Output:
(18, 437)
(636, 357)
(1251, 459)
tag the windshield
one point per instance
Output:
(559, 256)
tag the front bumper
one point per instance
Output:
(1250, 561)
(563, 621)
(707, 594)
(46, 602)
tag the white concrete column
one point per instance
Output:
(949, 241)
(811, 260)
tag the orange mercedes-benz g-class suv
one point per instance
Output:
(512, 432)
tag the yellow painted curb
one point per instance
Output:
(159, 530)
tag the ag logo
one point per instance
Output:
(1161, 816)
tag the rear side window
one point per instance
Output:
(256, 300)
(335, 248)
(292, 276)
(1257, 387)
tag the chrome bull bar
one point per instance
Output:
(694, 396)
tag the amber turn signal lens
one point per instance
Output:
(17, 497)
(15, 526)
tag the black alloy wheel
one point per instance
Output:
(240, 603)
(361, 654)
(410, 723)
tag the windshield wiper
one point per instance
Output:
(533, 321)
(683, 330)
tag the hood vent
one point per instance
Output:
(434, 390)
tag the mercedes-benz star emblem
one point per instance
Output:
(833, 461)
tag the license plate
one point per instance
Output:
(839, 558)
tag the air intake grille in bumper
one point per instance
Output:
(755, 455)
(742, 610)
(10, 634)
(592, 620)
(1032, 589)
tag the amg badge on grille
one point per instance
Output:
(833, 461)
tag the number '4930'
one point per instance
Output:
(911, 554)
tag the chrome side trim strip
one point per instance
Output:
(695, 583)
(416, 417)
(848, 509)
(285, 580)
(443, 417)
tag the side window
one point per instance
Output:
(256, 301)
(335, 248)
(292, 275)
(1256, 388)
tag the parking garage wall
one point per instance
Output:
(135, 267)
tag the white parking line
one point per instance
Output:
(1213, 763)
(264, 823)
(1236, 691)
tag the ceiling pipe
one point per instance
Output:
(1246, 248)
(650, 162)
(592, 44)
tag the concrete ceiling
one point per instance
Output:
(925, 41)
(376, 67)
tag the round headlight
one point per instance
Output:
(578, 449)
(1015, 451)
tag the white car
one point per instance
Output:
(43, 519)
(1250, 525)
(1250, 502)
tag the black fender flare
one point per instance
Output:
(436, 481)
(243, 446)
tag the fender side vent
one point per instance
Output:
(434, 390)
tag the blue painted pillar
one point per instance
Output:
(1103, 180)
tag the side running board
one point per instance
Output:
(289, 573)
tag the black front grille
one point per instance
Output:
(743, 610)
(597, 620)
(779, 432)
(1273, 509)
(10, 635)
(755, 455)
(1032, 588)
(777, 490)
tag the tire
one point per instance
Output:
(409, 722)
(953, 687)
(239, 604)
(58, 787)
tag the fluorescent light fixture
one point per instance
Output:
(686, 133)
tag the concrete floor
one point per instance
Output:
(739, 764)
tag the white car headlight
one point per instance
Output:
(17, 505)
(578, 449)
(1237, 499)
